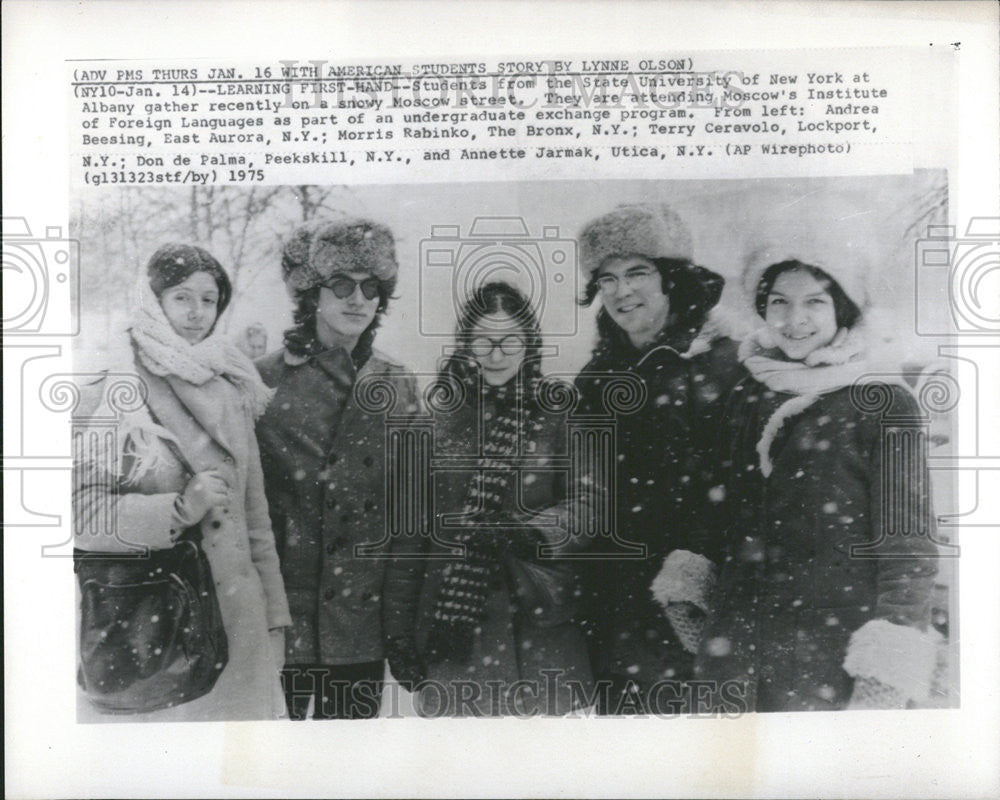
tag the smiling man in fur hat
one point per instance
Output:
(324, 463)
(655, 324)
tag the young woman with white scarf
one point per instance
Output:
(823, 595)
(202, 396)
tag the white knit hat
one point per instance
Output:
(840, 258)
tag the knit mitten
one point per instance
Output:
(870, 694)
(688, 622)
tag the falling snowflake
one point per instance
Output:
(830, 508)
(717, 494)
(718, 646)
(826, 693)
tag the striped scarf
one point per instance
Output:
(460, 607)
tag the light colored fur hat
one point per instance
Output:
(316, 251)
(649, 230)
(841, 259)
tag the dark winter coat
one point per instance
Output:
(663, 482)
(324, 467)
(510, 647)
(790, 593)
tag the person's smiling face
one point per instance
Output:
(631, 290)
(801, 314)
(192, 307)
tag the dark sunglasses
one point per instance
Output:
(343, 287)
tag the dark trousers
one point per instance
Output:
(341, 691)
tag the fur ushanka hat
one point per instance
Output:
(318, 250)
(648, 230)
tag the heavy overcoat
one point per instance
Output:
(837, 535)
(664, 482)
(213, 429)
(324, 459)
(516, 666)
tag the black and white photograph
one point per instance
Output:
(617, 448)
(547, 399)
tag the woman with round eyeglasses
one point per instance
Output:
(464, 624)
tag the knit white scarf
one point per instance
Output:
(163, 352)
(843, 362)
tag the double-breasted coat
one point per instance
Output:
(324, 458)
(213, 429)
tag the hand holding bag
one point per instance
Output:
(151, 631)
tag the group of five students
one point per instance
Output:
(742, 479)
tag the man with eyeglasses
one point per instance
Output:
(324, 463)
(655, 324)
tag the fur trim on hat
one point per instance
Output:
(840, 260)
(648, 230)
(685, 577)
(896, 655)
(317, 251)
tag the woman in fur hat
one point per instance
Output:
(465, 616)
(823, 596)
(656, 323)
(324, 462)
(201, 398)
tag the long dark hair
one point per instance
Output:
(846, 311)
(693, 292)
(496, 297)
(300, 339)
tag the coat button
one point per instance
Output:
(329, 594)
(229, 460)
(369, 505)
(368, 461)
(331, 548)
(333, 458)
(331, 503)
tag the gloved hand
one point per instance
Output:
(870, 694)
(205, 491)
(278, 647)
(688, 622)
(405, 663)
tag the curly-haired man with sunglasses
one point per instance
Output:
(324, 463)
